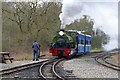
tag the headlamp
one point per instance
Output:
(61, 33)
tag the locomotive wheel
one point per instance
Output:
(71, 56)
(67, 57)
(85, 53)
(59, 57)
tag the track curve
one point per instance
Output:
(54, 69)
(51, 73)
(102, 60)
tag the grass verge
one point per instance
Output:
(96, 49)
(116, 58)
(28, 56)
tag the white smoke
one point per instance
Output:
(70, 12)
(105, 14)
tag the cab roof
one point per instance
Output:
(79, 32)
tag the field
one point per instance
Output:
(96, 49)
(28, 56)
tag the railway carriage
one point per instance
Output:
(70, 43)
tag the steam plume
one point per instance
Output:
(105, 14)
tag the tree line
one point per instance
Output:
(85, 24)
(24, 22)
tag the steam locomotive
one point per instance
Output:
(70, 43)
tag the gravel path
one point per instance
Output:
(86, 67)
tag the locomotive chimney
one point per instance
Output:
(62, 30)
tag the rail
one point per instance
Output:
(102, 60)
(52, 70)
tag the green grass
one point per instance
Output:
(116, 58)
(29, 56)
(22, 57)
(96, 49)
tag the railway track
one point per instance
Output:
(48, 70)
(102, 59)
(40, 70)
(54, 68)
(25, 72)
(19, 68)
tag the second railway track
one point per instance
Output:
(102, 59)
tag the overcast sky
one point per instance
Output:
(103, 12)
